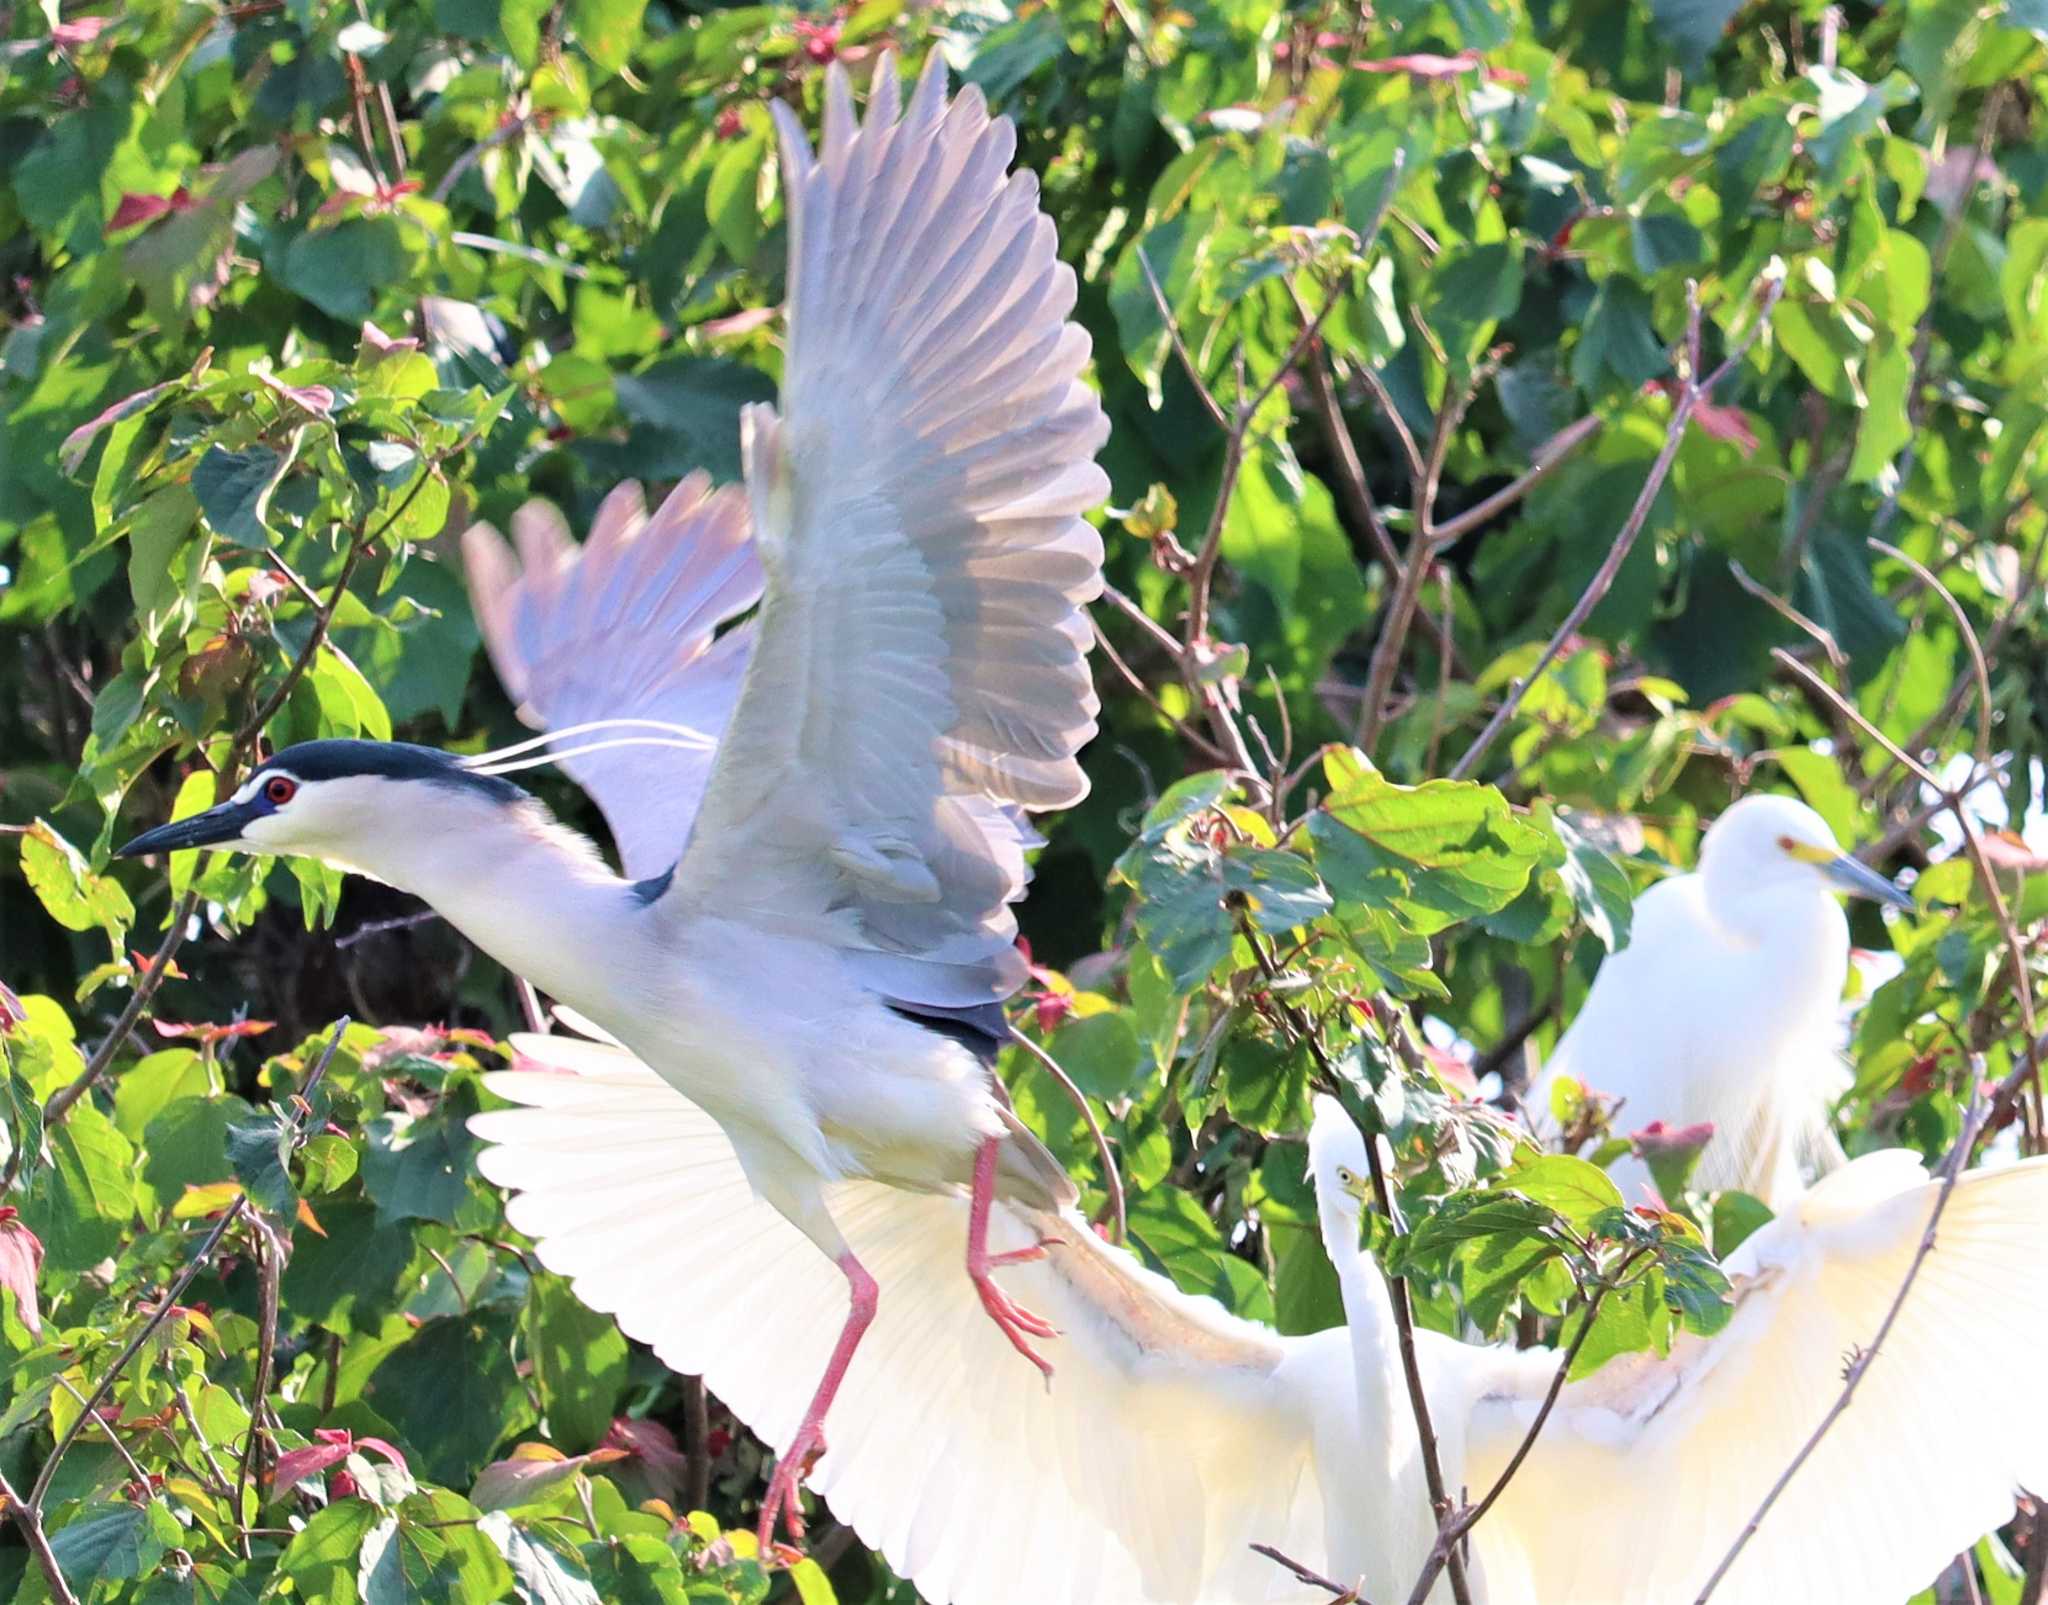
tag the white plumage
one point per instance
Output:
(1178, 1435)
(1725, 1006)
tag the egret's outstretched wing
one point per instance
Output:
(922, 670)
(1174, 1435)
(1648, 1470)
(625, 625)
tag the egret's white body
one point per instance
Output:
(1725, 1006)
(1178, 1435)
(822, 846)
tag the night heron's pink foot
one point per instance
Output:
(783, 1501)
(1016, 1323)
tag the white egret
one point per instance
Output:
(1178, 1434)
(1725, 1006)
(823, 841)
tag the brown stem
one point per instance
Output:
(1314, 1579)
(697, 1429)
(1692, 391)
(30, 1521)
(1110, 1179)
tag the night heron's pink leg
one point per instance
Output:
(809, 1441)
(1018, 1324)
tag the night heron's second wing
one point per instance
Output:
(625, 626)
(922, 674)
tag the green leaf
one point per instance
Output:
(1618, 339)
(341, 269)
(1441, 852)
(607, 29)
(1474, 290)
(320, 1561)
(259, 1153)
(1598, 887)
(579, 1363)
(1691, 29)
(451, 1389)
(234, 490)
(87, 1196)
(124, 1541)
(420, 1168)
(546, 1571)
(1101, 1053)
(327, 1162)
(1576, 1190)
(1172, 1228)
(69, 891)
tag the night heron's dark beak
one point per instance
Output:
(1860, 880)
(216, 825)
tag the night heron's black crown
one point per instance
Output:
(394, 760)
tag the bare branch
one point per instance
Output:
(1692, 391)
(1112, 1181)
(29, 1519)
(1314, 1579)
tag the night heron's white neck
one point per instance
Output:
(533, 894)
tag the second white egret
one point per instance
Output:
(1725, 1006)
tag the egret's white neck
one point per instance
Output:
(531, 893)
(1369, 1313)
(1388, 1527)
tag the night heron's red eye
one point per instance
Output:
(280, 789)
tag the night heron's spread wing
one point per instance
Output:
(921, 672)
(1669, 1458)
(1176, 1435)
(625, 626)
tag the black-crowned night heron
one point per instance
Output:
(1725, 1007)
(820, 811)
(1179, 1435)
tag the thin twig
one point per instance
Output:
(1186, 731)
(1978, 666)
(1110, 1179)
(127, 1456)
(1692, 391)
(29, 1519)
(1315, 1579)
(697, 1428)
(1543, 462)
(217, 1483)
(1859, 1367)
(510, 128)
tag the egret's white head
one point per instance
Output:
(1337, 1162)
(360, 804)
(1768, 843)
